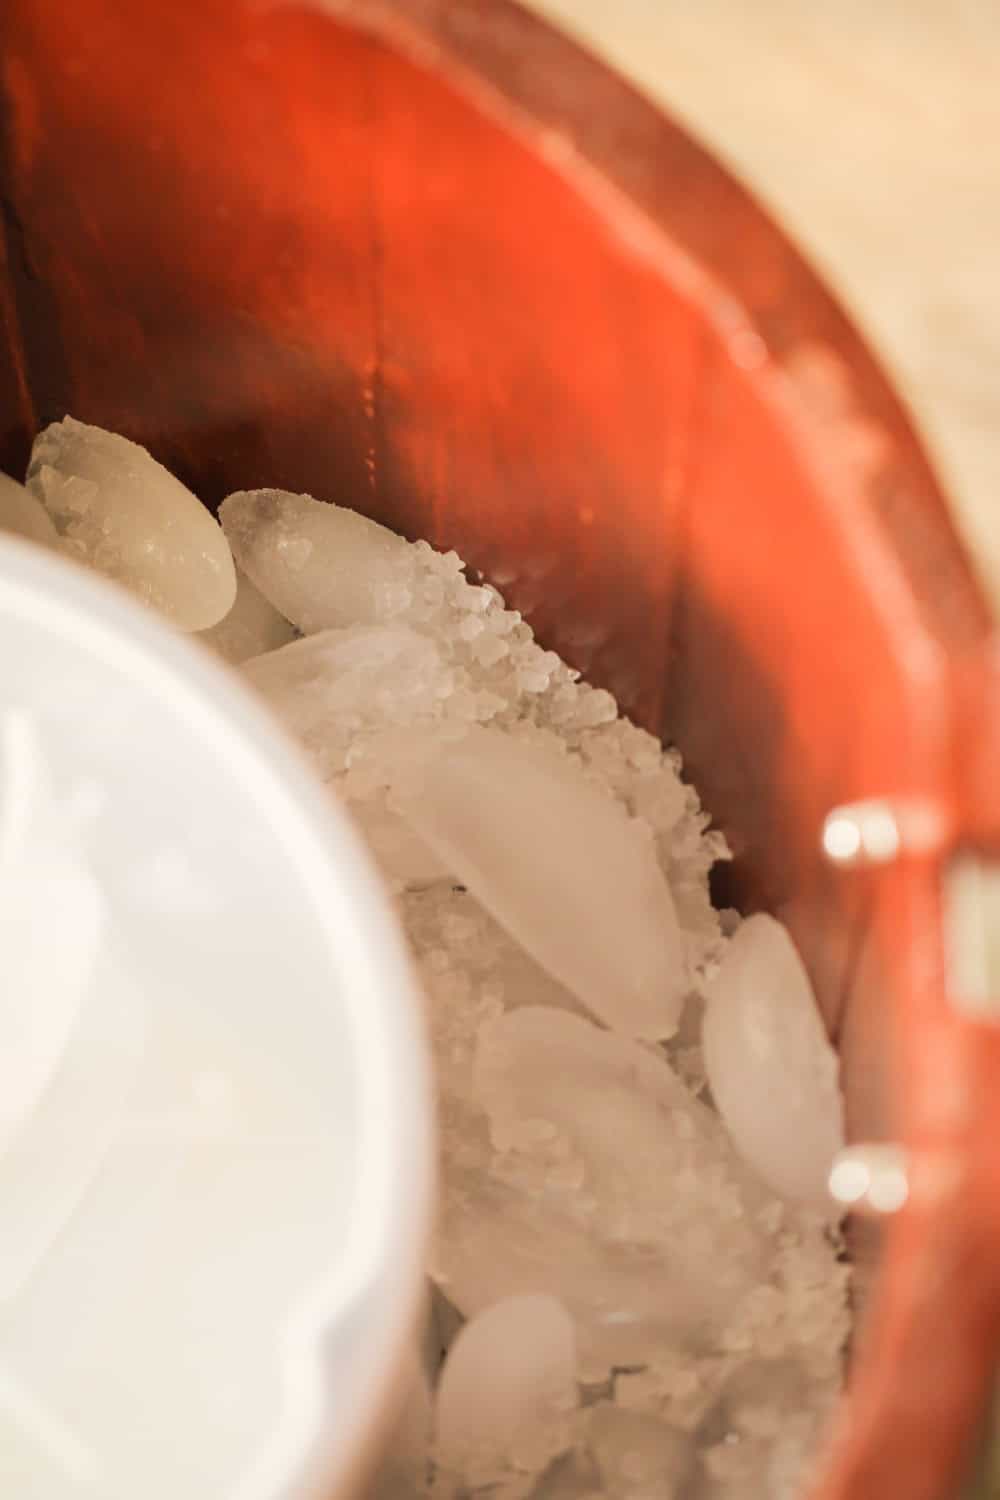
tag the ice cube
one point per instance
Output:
(608, 1185)
(402, 856)
(771, 1069)
(753, 1399)
(638, 1456)
(761, 1433)
(571, 1476)
(51, 923)
(251, 627)
(124, 514)
(354, 572)
(22, 514)
(562, 867)
(336, 689)
(507, 1391)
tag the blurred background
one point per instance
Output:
(873, 131)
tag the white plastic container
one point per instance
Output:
(215, 1190)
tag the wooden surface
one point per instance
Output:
(873, 130)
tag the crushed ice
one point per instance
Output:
(636, 1284)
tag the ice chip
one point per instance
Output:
(562, 867)
(608, 1185)
(125, 515)
(338, 690)
(760, 1434)
(252, 627)
(571, 1476)
(22, 514)
(321, 566)
(637, 1455)
(402, 856)
(620, 1107)
(753, 1399)
(507, 1391)
(771, 1069)
(348, 667)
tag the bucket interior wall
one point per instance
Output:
(480, 291)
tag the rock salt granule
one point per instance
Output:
(120, 512)
(22, 514)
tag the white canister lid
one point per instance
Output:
(215, 1149)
